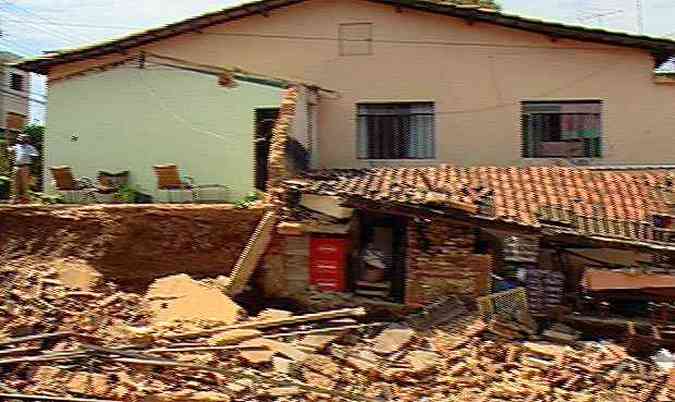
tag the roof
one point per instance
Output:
(9, 57)
(663, 48)
(530, 196)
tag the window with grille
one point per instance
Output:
(16, 82)
(571, 129)
(395, 130)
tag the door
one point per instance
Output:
(265, 119)
(387, 234)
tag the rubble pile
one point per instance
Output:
(60, 342)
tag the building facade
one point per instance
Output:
(422, 83)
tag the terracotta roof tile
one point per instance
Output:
(518, 194)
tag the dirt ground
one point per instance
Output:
(131, 245)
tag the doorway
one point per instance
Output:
(265, 120)
(380, 270)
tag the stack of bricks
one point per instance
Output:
(441, 262)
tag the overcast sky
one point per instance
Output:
(32, 26)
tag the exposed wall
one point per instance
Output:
(441, 262)
(131, 119)
(477, 89)
(131, 245)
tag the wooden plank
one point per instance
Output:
(28, 397)
(260, 324)
(253, 252)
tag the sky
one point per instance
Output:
(30, 27)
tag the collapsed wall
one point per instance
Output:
(131, 245)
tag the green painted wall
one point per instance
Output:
(132, 119)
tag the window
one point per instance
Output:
(16, 82)
(562, 129)
(356, 39)
(395, 130)
(15, 121)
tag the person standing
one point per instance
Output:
(24, 153)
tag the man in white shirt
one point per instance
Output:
(24, 153)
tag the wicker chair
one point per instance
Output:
(174, 189)
(73, 191)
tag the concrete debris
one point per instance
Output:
(181, 298)
(76, 275)
(108, 346)
(391, 340)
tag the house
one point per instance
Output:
(14, 95)
(214, 123)
(418, 82)
(413, 235)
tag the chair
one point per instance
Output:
(109, 184)
(173, 189)
(73, 191)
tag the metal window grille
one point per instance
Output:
(570, 129)
(16, 82)
(396, 130)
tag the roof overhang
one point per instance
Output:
(662, 49)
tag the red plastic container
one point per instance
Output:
(328, 264)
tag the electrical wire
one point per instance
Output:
(76, 25)
(25, 50)
(65, 36)
(161, 102)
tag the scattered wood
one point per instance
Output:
(27, 397)
(37, 337)
(301, 319)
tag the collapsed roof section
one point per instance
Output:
(627, 207)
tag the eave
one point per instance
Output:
(660, 48)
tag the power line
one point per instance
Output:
(30, 52)
(29, 12)
(77, 25)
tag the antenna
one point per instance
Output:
(640, 17)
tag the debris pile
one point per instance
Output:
(63, 343)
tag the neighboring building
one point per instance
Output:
(14, 95)
(214, 124)
(427, 82)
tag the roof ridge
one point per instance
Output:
(664, 46)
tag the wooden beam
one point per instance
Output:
(260, 324)
(28, 397)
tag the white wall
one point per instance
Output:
(132, 119)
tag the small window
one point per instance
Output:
(395, 130)
(16, 82)
(356, 39)
(562, 129)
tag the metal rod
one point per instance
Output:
(29, 338)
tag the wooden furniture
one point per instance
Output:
(174, 189)
(73, 191)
